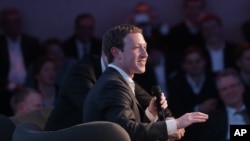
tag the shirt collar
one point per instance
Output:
(232, 111)
(124, 75)
(103, 66)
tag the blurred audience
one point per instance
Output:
(188, 31)
(243, 64)
(234, 110)
(219, 52)
(83, 43)
(18, 50)
(25, 101)
(54, 50)
(44, 76)
(192, 90)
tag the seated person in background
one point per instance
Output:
(219, 52)
(112, 98)
(25, 101)
(27, 105)
(233, 112)
(17, 50)
(193, 89)
(83, 43)
(53, 49)
(243, 64)
(44, 76)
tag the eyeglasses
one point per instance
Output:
(232, 86)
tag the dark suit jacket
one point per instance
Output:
(70, 48)
(180, 37)
(215, 129)
(229, 56)
(111, 99)
(74, 90)
(182, 99)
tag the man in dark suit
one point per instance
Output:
(187, 32)
(193, 89)
(17, 52)
(74, 90)
(83, 43)
(112, 98)
(219, 52)
(234, 110)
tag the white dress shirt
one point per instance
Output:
(217, 58)
(17, 72)
(234, 119)
(82, 49)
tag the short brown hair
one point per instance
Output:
(210, 17)
(114, 38)
(20, 96)
(228, 72)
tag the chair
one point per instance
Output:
(92, 131)
(7, 128)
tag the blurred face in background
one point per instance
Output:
(194, 64)
(11, 22)
(230, 91)
(212, 31)
(244, 61)
(55, 52)
(193, 10)
(46, 74)
(32, 102)
(84, 29)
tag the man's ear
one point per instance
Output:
(115, 52)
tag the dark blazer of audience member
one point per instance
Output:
(193, 89)
(219, 52)
(161, 66)
(74, 90)
(83, 43)
(17, 50)
(188, 31)
(243, 65)
(230, 89)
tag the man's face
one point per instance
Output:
(134, 57)
(32, 102)
(85, 29)
(194, 64)
(244, 62)
(230, 90)
(193, 10)
(12, 24)
(212, 31)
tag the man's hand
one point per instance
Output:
(153, 106)
(190, 118)
(177, 135)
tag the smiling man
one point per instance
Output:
(112, 98)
